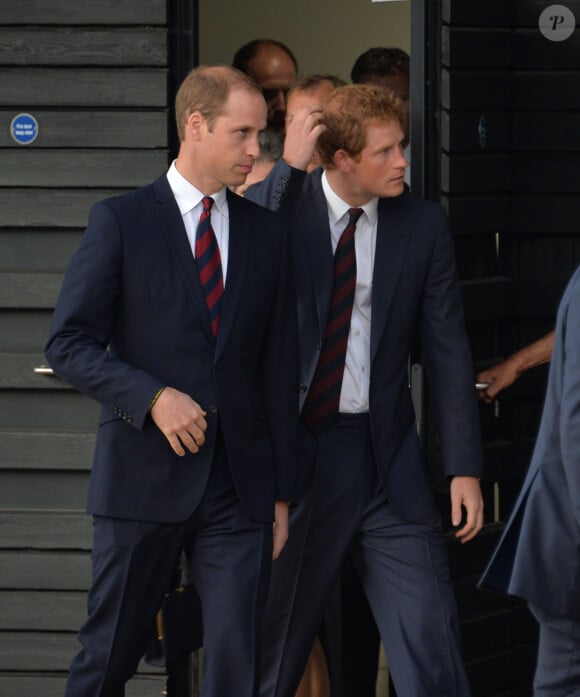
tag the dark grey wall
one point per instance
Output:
(95, 76)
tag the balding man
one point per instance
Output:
(274, 68)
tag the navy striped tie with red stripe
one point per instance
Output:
(321, 406)
(209, 264)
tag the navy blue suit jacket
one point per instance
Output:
(415, 290)
(131, 318)
(538, 555)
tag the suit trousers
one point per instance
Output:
(229, 559)
(558, 667)
(402, 565)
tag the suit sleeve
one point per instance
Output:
(448, 362)
(84, 319)
(280, 190)
(570, 401)
(281, 376)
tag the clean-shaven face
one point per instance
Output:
(231, 147)
(379, 169)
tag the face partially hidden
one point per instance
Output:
(307, 98)
(379, 169)
(315, 97)
(398, 82)
(226, 154)
(274, 71)
(259, 172)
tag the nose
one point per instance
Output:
(404, 161)
(281, 99)
(254, 147)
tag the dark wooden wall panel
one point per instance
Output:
(476, 48)
(560, 130)
(546, 172)
(525, 13)
(89, 168)
(42, 610)
(23, 331)
(51, 652)
(550, 90)
(95, 74)
(29, 290)
(93, 129)
(473, 13)
(25, 88)
(476, 131)
(531, 51)
(507, 173)
(58, 208)
(479, 173)
(57, 46)
(61, 410)
(46, 250)
(464, 90)
(46, 685)
(45, 530)
(49, 490)
(64, 12)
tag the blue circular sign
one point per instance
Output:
(24, 129)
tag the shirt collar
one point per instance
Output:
(188, 196)
(339, 208)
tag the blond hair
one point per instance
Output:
(206, 89)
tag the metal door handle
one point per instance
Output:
(44, 370)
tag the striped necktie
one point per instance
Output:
(321, 407)
(209, 264)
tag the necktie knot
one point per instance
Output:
(353, 215)
(207, 204)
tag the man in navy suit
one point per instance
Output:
(177, 315)
(372, 494)
(537, 557)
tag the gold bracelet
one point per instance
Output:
(156, 397)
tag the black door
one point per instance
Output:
(497, 139)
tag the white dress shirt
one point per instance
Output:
(354, 395)
(190, 203)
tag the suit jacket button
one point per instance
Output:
(129, 418)
(302, 388)
(212, 409)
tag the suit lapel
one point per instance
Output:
(239, 235)
(175, 235)
(392, 239)
(316, 237)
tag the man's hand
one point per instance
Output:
(180, 419)
(466, 492)
(507, 372)
(280, 527)
(301, 136)
(499, 377)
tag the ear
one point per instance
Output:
(342, 161)
(195, 125)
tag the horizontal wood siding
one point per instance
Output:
(95, 76)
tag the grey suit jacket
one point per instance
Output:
(538, 555)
